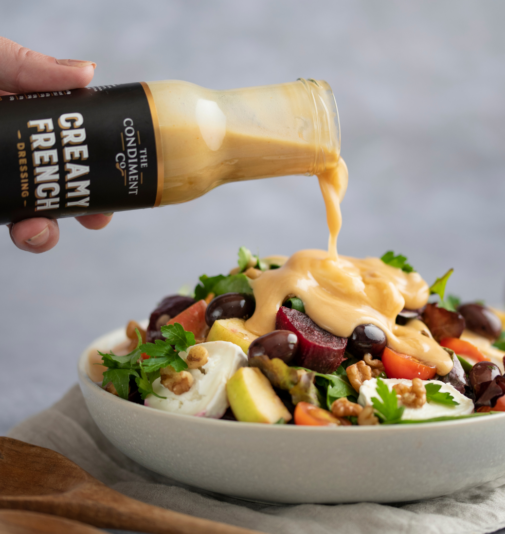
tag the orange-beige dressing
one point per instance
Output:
(340, 293)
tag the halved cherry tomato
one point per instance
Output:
(500, 405)
(310, 415)
(402, 366)
(463, 348)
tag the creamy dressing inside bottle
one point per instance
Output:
(213, 137)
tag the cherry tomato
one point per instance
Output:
(310, 415)
(463, 348)
(500, 405)
(403, 366)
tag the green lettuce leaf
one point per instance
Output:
(206, 285)
(333, 386)
(438, 286)
(235, 283)
(244, 258)
(295, 304)
(247, 259)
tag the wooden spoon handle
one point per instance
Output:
(14, 522)
(100, 506)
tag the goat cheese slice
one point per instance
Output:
(207, 396)
(368, 390)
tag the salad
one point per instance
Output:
(203, 355)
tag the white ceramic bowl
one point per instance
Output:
(290, 464)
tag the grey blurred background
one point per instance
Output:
(420, 87)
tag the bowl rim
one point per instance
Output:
(95, 387)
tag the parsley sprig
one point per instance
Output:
(387, 408)
(433, 394)
(399, 261)
(163, 353)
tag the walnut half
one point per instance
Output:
(358, 373)
(376, 365)
(344, 408)
(197, 357)
(177, 383)
(411, 396)
(367, 417)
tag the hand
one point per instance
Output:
(25, 71)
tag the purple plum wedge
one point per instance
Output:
(318, 350)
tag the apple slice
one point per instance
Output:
(318, 350)
(192, 319)
(252, 398)
(232, 330)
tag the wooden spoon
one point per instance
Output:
(14, 522)
(41, 480)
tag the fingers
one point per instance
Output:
(24, 71)
(95, 222)
(40, 235)
(35, 235)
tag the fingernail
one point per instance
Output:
(75, 63)
(108, 214)
(39, 239)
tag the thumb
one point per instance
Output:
(24, 71)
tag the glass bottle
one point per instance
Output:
(113, 148)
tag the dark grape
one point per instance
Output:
(407, 315)
(443, 323)
(481, 374)
(481, 320)
(228, 306)
(167, 309)
(366, 339)
(281, 344)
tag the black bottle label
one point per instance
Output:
(69, 153)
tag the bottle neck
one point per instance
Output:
(326, 125)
